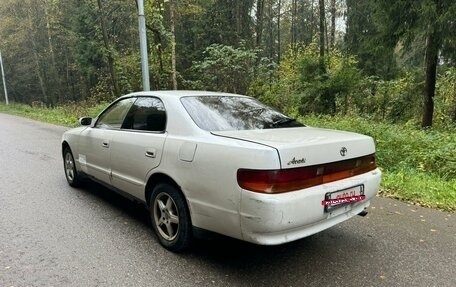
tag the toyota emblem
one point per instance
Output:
(343, 151)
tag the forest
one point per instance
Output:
(386, 60)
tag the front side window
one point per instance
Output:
(113, 117)
(146, 114)
(223, 113)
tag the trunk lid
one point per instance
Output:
(306, 146)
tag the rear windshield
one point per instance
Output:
(223, 113)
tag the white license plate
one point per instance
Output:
(343, 197)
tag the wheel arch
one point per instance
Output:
(157, 178)
(65, 145)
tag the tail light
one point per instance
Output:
(285, 180)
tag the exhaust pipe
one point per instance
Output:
(363, 213)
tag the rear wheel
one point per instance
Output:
(170, 217)
(69, 165)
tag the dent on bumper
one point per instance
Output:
(275, 219)
(288, 235)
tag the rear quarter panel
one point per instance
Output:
(209, 181)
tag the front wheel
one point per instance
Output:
(170, 217)
(71, 173)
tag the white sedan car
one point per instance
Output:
(224, 163)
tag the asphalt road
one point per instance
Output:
(55, 235)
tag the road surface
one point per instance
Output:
(55, 235)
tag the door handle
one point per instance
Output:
(105, 144)
(151, 153)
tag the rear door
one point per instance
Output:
(137, 148)
(95, 142)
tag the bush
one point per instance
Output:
(225, 68)
(300, 85)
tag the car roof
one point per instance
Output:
(180, 93)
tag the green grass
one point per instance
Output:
(66, 115)
(419, 166)
(421, 188)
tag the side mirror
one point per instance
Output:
(85, 121)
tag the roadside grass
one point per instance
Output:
(420, 188)
(419, 166)
(66, 115)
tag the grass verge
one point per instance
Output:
(66, 115)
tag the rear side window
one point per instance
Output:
(222, 113)
(146, 114)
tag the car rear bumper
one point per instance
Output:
(271, 219)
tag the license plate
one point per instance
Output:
(343, 197)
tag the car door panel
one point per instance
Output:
(133, 155)
(95, 142)
(94, 153)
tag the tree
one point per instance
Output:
(434, 21)
(366, 37)
(431, 57)
(321, 7)
(172, 8)
(225, 69)
(108, 48)
(333, 24)
(259, 23)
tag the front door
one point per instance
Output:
(95, 142)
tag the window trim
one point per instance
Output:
(108, 108)
(147, 131)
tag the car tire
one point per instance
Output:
(170, 217)
(69, 166)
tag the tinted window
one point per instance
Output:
(146, 114)
(219, 113)
(113, 117)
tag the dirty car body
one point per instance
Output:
(224, 163)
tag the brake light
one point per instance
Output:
(285, 180)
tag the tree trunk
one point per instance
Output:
(259, 22)
(278, 30)
(238, 19)
(54, 78)
(108, 48)
(36, 58)
(48, 28)
(293, 23)
(271, 31)
(333, 23)
(173, 44)
(312, 20)
(326, 37)
(321, 7)
(431, 58)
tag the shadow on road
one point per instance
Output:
(112, 199)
